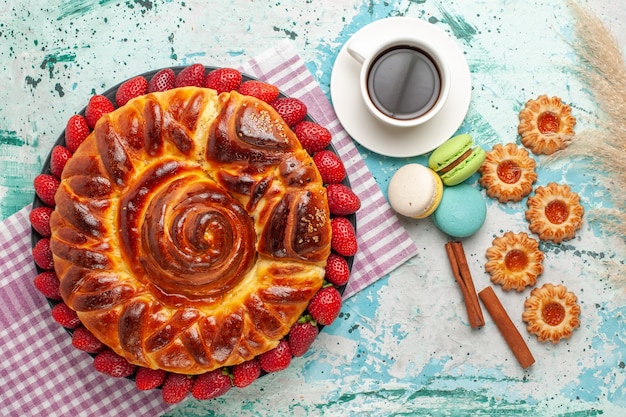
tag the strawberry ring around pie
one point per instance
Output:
(508, 173)
(338, 289)
(551, 313)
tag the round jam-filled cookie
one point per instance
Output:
(415, 191)
(462, 211)
(514, 261)
(456, 159)
(551, 313)
(508, 173)
(554, 212)
(546, 125)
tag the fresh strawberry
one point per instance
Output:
(40, 220)
(193, 75)
(112, 364)
(48, 284)
(276, 359)
(176, 387)
(98, 106)
(147, 379)
(263, 91)
(163, 80)
(330, 167)
(343, 240)
(65, 316)
(325, 305)
(246, 373)
(312, 136)
(292, 110)
(211, 385)
(76, 131)
(46, 186)
(84, 340)
(58, 158)
(301, 336)
(342, 200)
(42, 255)
(337, 270)
(223, 80)
(129, 89)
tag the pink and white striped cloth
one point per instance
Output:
(42, 374)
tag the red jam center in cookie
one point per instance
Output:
(557, 211)
(553, 314)
(515, 260)
(509, 172)
(548, 122)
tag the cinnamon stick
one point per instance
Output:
(463, 276)
(508, 330)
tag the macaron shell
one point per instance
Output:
(461, 212)
(415, 191)
(450, 151)
(466, 168)
(437, 196)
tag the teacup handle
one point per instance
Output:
(358, 50)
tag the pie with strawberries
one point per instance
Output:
(190, 228)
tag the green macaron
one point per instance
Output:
(457, 159)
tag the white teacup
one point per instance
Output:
(404, 81)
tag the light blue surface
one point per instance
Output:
(403, 345)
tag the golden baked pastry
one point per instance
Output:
(190, 230)
(514, 261)
(546, 125)
(551, 313)
(554, 212)
(508, 173)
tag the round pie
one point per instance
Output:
(508, 173)
(191, 230)
(551, 313)
(546, 125)
(514, 261)
(554, 212)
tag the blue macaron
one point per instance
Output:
(461, 212)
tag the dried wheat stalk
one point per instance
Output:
(602, 69)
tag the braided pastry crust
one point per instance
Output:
(190, 230)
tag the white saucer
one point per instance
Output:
(392, 141)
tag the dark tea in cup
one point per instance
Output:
(403, 82)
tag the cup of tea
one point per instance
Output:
(404, 81)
